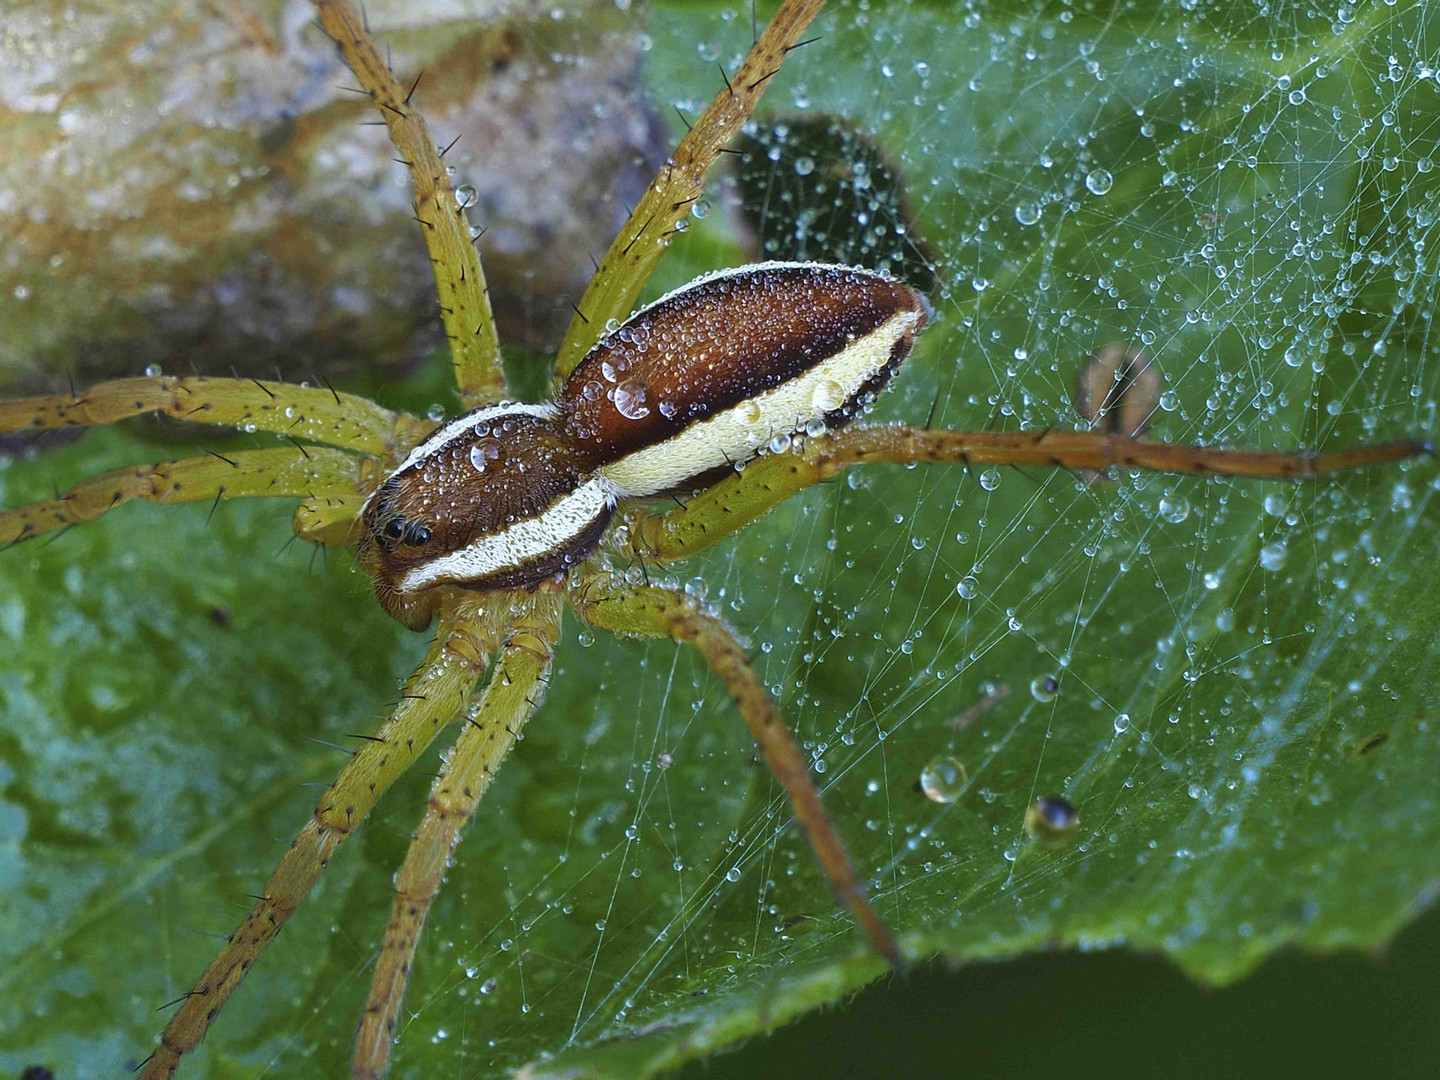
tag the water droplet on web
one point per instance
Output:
(1174, 510)
(1051, 821)
(1099, 181)
(1027, 213)
(1122, 723)
(967, 588)
(1273, 556)
(733, 874)
(154, 371)
(1043, 688)
(804, 166)
(990, 479)
(630, 399)
(435, 413)
(943, 779)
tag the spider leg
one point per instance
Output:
(514, 692)
(740, 499)
(283, 470)
(305, 412)
(459, 280)
(331, 519)
(436, 694)
(651, 611)
(646, 233)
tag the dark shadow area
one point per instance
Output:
(1119, 1014)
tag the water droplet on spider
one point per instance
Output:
(154, 371)
(1027, 213)
(943, 779)
(968, 587)
(1174, 510)
(780, 444)
(484, 452)
(466, 196)
(630, 398)
(1043, 688)
(1273, 556)
(990, 479)
(828, 396)
(1099, 181)
(1051, 821)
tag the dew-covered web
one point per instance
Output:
(1195, 664)
(1231, 682)
(1201, 667)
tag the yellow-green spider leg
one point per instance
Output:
(332, 520)
(281, 470)
(436, 694)
(513, 694)
(459, 280)
(642, 239)
(738, 500)
(302, 412)
(650, 611)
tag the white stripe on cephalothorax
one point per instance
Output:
(736, 434)
(552, 528)
(462, 425)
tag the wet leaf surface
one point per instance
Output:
(1242, 710)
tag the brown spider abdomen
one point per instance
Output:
(721, 342)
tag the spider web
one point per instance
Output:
(1250, 200)
(1230, 681)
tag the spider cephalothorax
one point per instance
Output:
(697, 383)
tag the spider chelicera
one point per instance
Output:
(489, 524)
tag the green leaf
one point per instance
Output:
(1244, 715)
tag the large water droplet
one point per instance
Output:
(1043, 688)
(1273, 556)
(1051, 821)
(1099, 181)
(1174, 510)
(466, 196)
(1027, 213)
(630, 400)
(943, 779)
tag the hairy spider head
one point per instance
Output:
(497, 498)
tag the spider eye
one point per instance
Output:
(417, 535)
(393, 529)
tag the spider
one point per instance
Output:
(490, 524)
